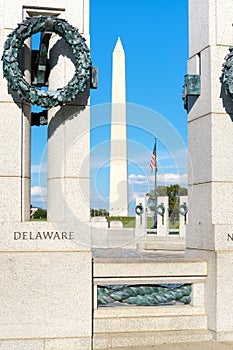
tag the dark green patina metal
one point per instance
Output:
(227, 78)
(139, 210)
(192, 87)
(94, 77)
(41, 74)
(15, 78)
(144, 295)
(183, 209)
(160, 209)
(39, 118)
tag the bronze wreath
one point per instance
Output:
(160, 209)
(139, 209)
(15, 77)
(227, 77)
(183, 210)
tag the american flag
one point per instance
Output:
(153, 159)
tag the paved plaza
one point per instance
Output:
(206, 345)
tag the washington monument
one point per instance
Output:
(118, 203)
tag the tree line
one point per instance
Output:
(173, 192)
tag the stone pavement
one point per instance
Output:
(205, 345)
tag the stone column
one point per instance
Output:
(183, 218)
(210, 132)
(46, 282)
(68, 140)
(15, 125)
(141, 220)
(162, 220)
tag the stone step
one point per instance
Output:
(130, 340)
(150, 323)
(161, 246)
(168, 238)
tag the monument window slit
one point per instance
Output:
(39, 139)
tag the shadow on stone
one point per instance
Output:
(191, 100)
(69, 111)
(60, 48)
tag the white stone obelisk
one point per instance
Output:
(118, 203)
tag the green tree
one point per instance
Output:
(173, 192)
(40, 214)
(99, 212)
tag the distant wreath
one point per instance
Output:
(160, 209)
(183, 210)
(139, 209)
(15, 77)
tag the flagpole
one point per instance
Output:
(155, 213)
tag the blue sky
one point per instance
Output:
(154, 37)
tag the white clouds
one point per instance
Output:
(39, 168)
(176, 178)
(171, 179)
(138, 179)
(38, 191)
(142, 184)
(39, 194)
(162, 179)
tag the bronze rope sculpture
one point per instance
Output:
(144, 295)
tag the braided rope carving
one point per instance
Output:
(144, 295)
